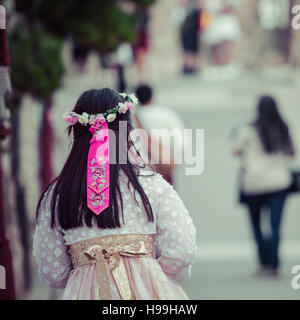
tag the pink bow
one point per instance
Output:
(98, 170)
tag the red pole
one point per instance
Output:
(46, 146)
(8, 292)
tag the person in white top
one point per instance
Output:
(266, 150)
(164, 128)
(108, 230)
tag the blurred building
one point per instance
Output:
(267, 33)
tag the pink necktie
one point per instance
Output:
(98, 170)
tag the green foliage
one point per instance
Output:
(36, 62)
(37, 39)
(102, 25)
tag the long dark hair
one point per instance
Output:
(273, 131)
(68, 202)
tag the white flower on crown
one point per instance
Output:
(133, 98)
(111, 117)
(84, 118)
(122, 107)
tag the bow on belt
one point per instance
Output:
(112, 258)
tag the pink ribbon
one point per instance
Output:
(98, 170)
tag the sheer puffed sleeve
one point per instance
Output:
(176, 234)
(51, 254)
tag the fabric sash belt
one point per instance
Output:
(107, 253)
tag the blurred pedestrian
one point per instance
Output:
(152, 117)
(141, 45)
(190, 37)
(266, 149)
(80, 54)
(118, 61)
(223, 34)
(108, 230)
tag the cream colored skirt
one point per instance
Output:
(119, 267)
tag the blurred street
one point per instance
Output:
(226, 254)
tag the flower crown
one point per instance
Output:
(95, 120)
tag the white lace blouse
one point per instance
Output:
(173, 226)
